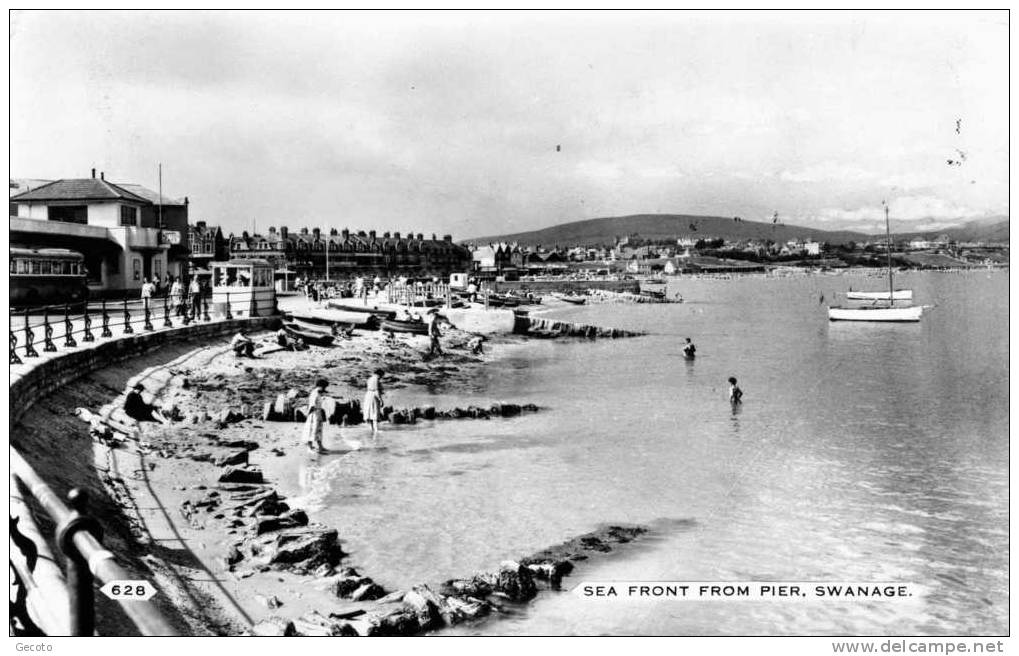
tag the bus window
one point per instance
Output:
(35, 267)
(14, 266)
(22, 266)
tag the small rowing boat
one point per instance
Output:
(309, 335)
(398, 326)
(354, 307)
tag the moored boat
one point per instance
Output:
(886, 313)
(897, 295)
(875, 313)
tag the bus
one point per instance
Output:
(44, 276)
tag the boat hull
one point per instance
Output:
(354, 307)
(309, 336)
(897, 295)
(396, 326)
(331, 318)
(887, 314)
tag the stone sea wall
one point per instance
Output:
(52, 374)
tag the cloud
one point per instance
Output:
(925, 212)
(828, 171)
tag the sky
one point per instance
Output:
(481, 123)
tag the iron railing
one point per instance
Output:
(42, 586)
(60, 325)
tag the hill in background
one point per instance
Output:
(993, 229)
(594, 232)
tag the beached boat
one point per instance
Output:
(309, 335)
(898, 295)
(874, 312)
(353, 306)
(576, 300)
(342, 318)
(399, 326)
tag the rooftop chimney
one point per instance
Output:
(371, 234)
(283, 232)
(448, 238)
(332, 232)
(93, 174)
(433, 236)
(396, 236)
(102, 175)
(421, 237)
(200, 224)
(385, 235)
(316, 232)
(346, 234)
(272, 230)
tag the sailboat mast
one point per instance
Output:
(888, 248)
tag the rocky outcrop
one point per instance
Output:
(539, 327)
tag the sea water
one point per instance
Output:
(862, 452)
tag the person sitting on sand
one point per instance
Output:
(689, 350)
(242, 345)
(284, 339)
(372, 407)
(735, 393)
(475, 345)
(316, 417)
(136, 408)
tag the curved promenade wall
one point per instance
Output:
(51, 374)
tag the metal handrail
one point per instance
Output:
(86, 558)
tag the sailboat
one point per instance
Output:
(877, 312)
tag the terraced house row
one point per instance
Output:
(309, 252)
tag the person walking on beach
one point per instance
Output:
(735, 393)
(689, 350)
(434, 346)
(372, 406)
(316, 417)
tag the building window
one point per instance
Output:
(137, 268)
(68, 213)
(128, 216)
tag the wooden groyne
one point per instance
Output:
(538, 327)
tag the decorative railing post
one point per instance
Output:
(127, 318)
(48, 344)
(186, 309)
(68, 328)
(106, 322)
(166, 311)
(148, 315)
(80, 592)
(229, 315)
(14, 349)
(87, 320)
(30, 351)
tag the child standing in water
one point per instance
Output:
(372, 407)
(735, 393)
(316, 417)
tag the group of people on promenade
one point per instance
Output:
(184, 303)
(735, 393)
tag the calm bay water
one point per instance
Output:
(863, 452)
